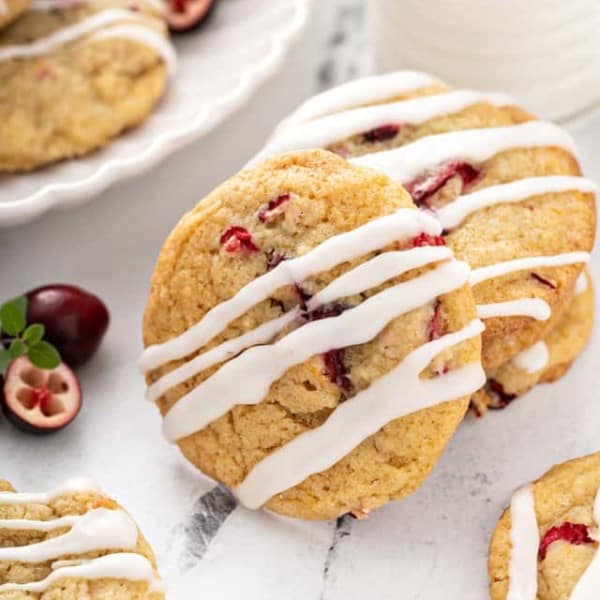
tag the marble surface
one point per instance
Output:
(432, 545)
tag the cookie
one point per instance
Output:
(545, 546)
(75, 75)
(72, 543)
(289, 317)
(507, 189)
(11, 9)
(547, 360)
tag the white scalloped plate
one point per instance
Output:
(220, 67)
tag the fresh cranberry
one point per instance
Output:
(272, 209)
(238, 239)
(424, 239)
(381, 134)
(39, 400)
(543, 281)
(336, 370)
(499, 398)
(434, 327)
(573, 533)
(75, 320)
(422, 188)
(184, 15)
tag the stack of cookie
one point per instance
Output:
(313, 338)
(75, 74)
(510, 196)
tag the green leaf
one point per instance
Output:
(4, 360)
(33, 334)
(21, 302)
(44, 355)
(17, 348)
(12, 316)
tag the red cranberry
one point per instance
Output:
(422, 188)
(184, 15)
(272, 209)
(274, 257)
(573, 533)
(381, 134)
(424, 239)
(543, 281)
(238, 239)
(75, 320)
(499, 398)
(434, 327)
(39, 400)
(336, 370)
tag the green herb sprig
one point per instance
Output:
(19, 339)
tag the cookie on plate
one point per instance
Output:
(73, 75)
(506, 187)
(545, 546)
(72, 543)
(311, 342)
(11, 9)
(547, 360)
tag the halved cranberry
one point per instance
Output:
(434, 327)
(184, 15)
(498, 397)
(75, 320)
(543, 281)
(272, 209)
(336, 370)
(381, 134)
(423, 187)
(40, 400)
(425, 239)
(573, 533)
(238, 239)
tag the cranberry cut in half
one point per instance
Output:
(572, 533)
(75, 320)
(185, 15)
(40, 400)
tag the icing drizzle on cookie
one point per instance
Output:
(525, 542)
(260, 366)
(114, 22)
(533, 359)
(99, 529)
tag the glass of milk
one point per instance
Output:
(545, 53)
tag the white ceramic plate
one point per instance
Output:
(220, 67)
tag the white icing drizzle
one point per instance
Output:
(453, 214)
(362, 416)
(325, 131)
(122, 565)
(376, 234)
(581, 285)
(144, 35)
(472, 145)
(98, 529)
(91, 24)
(73, 486)
(361, 91)
(533, 359)
(535, 308)
(525, 541)
(528, 262)
(367, 275)
(260, 366)
(588, 585)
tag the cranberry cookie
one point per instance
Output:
(507, 189)
(73, 75)
(286, 312)
(545, 546)
(72, 543)
(546, 361)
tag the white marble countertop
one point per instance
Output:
(432, 545)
